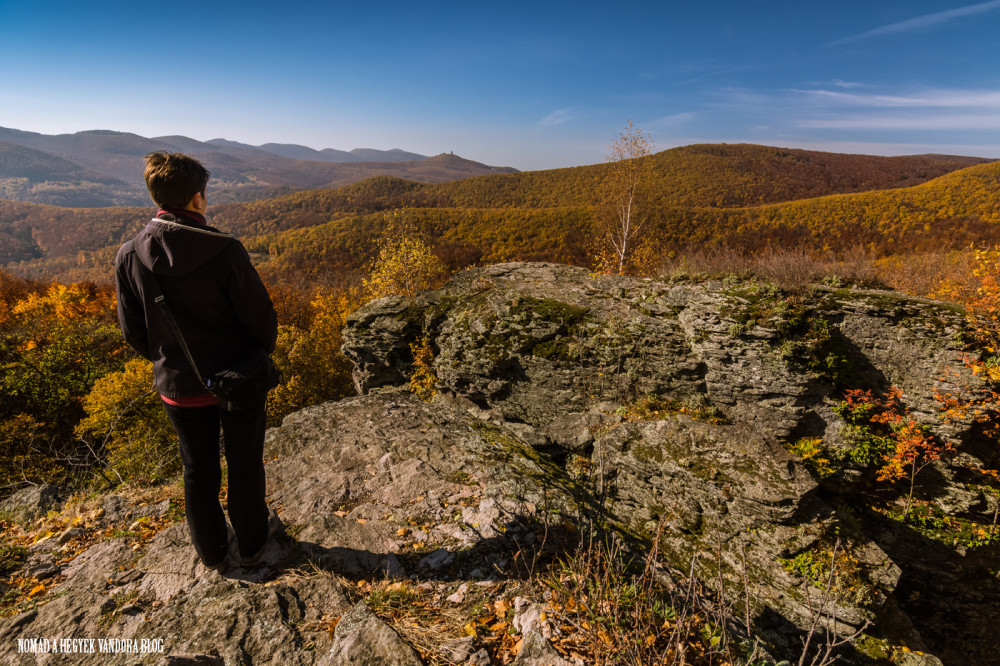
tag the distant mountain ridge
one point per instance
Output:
(98, 168)
(298, 152)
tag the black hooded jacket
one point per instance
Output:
(216, 296)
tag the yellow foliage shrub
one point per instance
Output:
(314, 369)
(405, 263)
(125, 417)
(309, 358)
(75, 301)
(423, 381)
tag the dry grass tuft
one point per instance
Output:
(791, 268)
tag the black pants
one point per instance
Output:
(198, 431)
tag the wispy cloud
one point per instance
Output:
(863, 112)
(671, 122)
(931, 98)
(920, 22)
(693, 71)
(717, 73)
(741, 98)
(847, 85)
(900, 121)
(927, 109)
(883, 148)
(557, 117)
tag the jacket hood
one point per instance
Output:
(172, 245)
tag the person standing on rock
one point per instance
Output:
(224, 314)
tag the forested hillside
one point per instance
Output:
(713, 176)
(732, 195)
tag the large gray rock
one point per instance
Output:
(361, 639)
(533, 343)
(556, 356)
(537, 651)
(709, 485)
(31, 502)
(373, 479)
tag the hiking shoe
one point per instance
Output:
(220, 566)
(226, 560)
(274, 526)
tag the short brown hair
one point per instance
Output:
(173, 178)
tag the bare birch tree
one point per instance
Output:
(622, 222)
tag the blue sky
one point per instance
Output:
(533, 85)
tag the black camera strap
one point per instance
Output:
(168, 316)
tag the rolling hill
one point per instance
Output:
(715, 176)
(27, 174)
(949, 212)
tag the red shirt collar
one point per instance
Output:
(198, 218)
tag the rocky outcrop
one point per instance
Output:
(532, 343)
(557, 355)
(659, 410)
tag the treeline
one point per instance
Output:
(947, 213)
(309, 208)
(30, 231)
(460, 237)
(711, 176)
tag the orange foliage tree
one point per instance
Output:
(886, 437)
(309, 356)
(981, 401)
